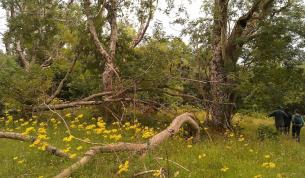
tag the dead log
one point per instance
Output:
(136, 147)
(17, 136)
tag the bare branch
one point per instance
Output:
(97, 95)
(46, 63)
(246, 24)
(142, 30)
(24, 60)
(93, 32)
(17, 136)
(67, 105)
(61, 84)
(112, 19)
(136, 147)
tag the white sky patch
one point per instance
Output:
(193, 10)
(3, 27)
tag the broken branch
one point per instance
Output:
(17, 136)
(136, 147)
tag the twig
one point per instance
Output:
(174, 163)
(69, 130)
(145, 172)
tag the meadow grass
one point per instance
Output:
(231, 156)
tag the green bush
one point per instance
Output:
(266, 132)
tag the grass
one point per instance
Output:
(223, 157)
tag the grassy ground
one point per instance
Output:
(236, 155)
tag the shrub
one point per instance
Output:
(266, 132)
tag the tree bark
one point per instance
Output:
(218, 108)
(110, 69)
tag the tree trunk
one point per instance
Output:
(108, 76)
(226, 51)
(219, 107)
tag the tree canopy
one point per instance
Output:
(241, 55)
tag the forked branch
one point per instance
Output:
(136, 147)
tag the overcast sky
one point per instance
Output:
(170, 29)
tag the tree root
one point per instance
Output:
(136, 147)
(17, 136)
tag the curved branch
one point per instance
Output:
(93, 32)
(143, 29)
(61, 84)
(246, 24)
(136, 147)
(17, 136)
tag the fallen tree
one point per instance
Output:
(49, 148)
(152, 143)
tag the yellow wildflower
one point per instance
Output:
(66, 150)
(224, 169)
(79, 148)
(42, 137)
(202, 156)
(21, 161)
(68, 139)
(157, 173)
(267, 156)
(123, 167)
(241, 139)
(89, 127)
(25, 124)
(115, 137)
(176, 174)
(28, 130)
(269, 165)
(72, 156)
(80, 116)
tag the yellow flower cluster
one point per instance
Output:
(115, 137)
(157, 173)
(68, 138)
(18, 160)
(224, 169)
(123, 167)
(9, 119)
(28, 131)
(148, 132)
(40, 141)
(269, 165)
